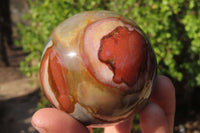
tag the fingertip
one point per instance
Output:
(56, 121)
(153, 119)
(124, 127)
(164, 94)
(38, 122)
(163, 86)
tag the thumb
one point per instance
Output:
(51, 120)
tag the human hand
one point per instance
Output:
(156, 117)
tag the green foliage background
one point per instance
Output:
(172, 26)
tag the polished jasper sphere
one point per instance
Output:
(99, 67)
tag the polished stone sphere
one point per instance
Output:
(99, 67)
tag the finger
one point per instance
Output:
(124, 127)
(50, 120)
(153, 119)
(164, 95)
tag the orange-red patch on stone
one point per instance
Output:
(124, 51)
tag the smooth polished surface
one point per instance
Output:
(99, 67)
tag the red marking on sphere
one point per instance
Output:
(124, 52)
(42, 74)
(58, 79)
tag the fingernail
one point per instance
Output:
(40, 129)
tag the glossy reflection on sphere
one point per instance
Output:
(99, 67)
